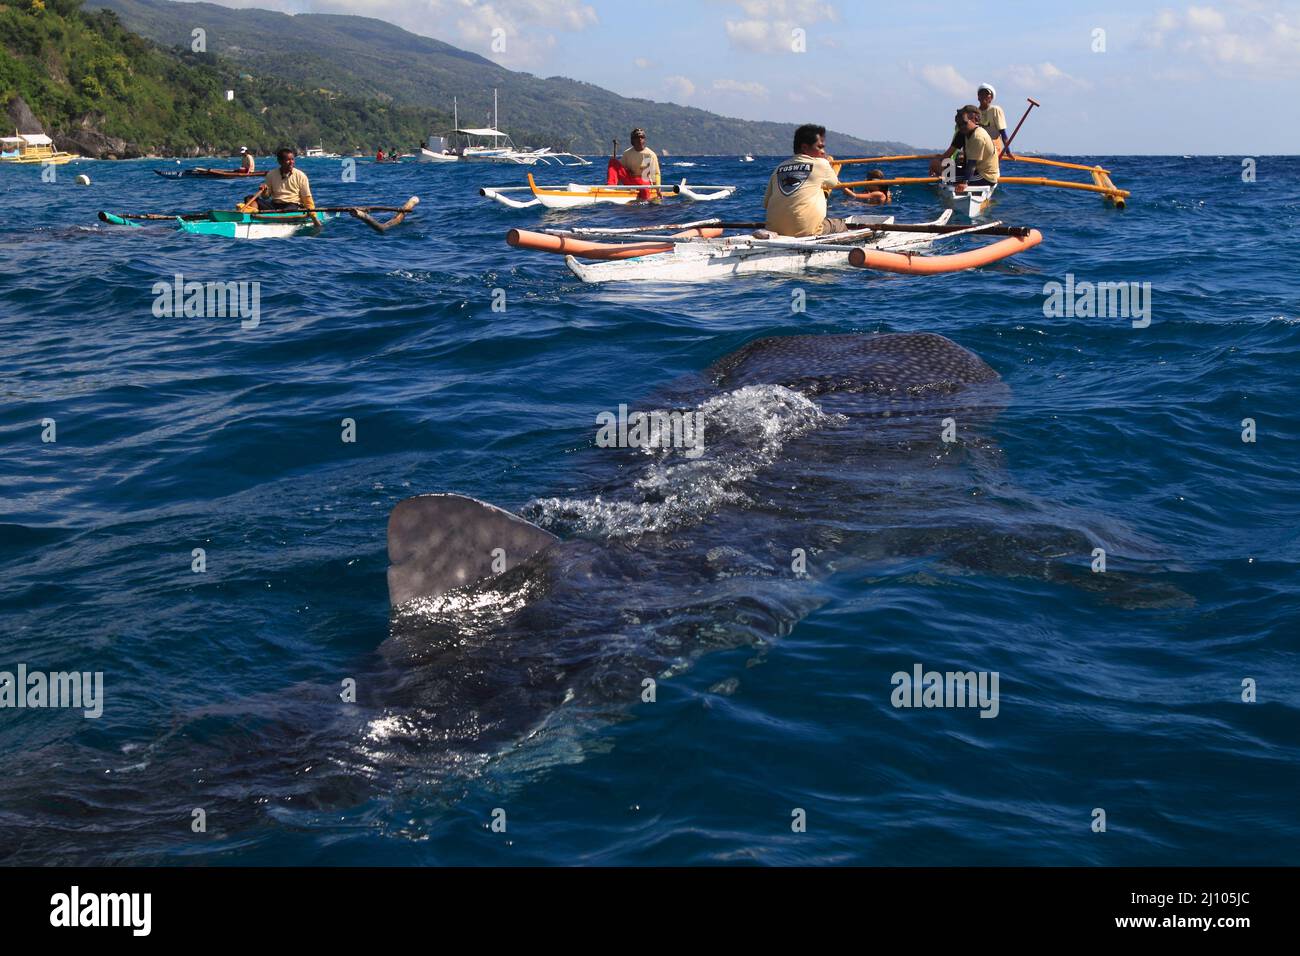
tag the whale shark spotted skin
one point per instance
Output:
(441, 542)
(905, 362)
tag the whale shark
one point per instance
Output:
(517, 639)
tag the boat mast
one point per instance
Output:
(455, 114)
(496, 120)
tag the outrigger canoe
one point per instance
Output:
(240, 225)
(236, 224)
(202, 173)
(574, 195)
(701, 251)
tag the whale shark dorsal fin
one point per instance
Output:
(440, 542)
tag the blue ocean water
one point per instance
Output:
(1120, 691)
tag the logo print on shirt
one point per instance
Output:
(791, 176)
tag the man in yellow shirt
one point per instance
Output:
(980, 167)
(993, 119)
(796, 194)
(642, 164)
(285, 189)
(245, 160)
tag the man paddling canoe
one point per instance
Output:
(284, 189)
(796, 194)
(980, 156)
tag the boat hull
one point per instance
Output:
(578, 195)
(57, 159)
(429, 156)
(206, 174)
(969, 203)
(254, 225)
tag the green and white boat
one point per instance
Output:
(234, 224)
(238, 225)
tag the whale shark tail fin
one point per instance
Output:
(440, 542)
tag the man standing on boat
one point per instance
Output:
(993, 119)
(245, 161)
(980, 164)
(285, 188)
(796, 194)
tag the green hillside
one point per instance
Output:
(103, 90)
(378, 61)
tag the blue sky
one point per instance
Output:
(1208, 77)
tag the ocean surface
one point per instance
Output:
(772, 737)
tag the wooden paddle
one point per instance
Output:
(382, 227)
(1006, 150)
(203, 215)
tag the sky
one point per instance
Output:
(1112, 77)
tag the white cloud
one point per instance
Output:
(1232, 37)
(768, 26)
(1205, 20)
(528, 26)
(806, 93)
(945, 79)
(1029, 78)
(679, 87)
(736, 86)
(642, 63)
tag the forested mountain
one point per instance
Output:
(374, 60)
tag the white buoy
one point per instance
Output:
(83, 180)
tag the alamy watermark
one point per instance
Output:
(922, 688)
(76, 909)
(1104, 300)
(657, 429)
(208, 300)
(83, 690)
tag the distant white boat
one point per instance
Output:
(747, 158)
(437, 151)
(489, 145)
(685, 164)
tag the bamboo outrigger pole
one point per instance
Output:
(1101, 181)
(1006, 159)
(878, 159)
(1112, 191)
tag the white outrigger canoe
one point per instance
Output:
(575, 195)
(701, 252)
(970, 202)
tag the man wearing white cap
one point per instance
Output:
(246, 160)
(992, 118)
(992, 121)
